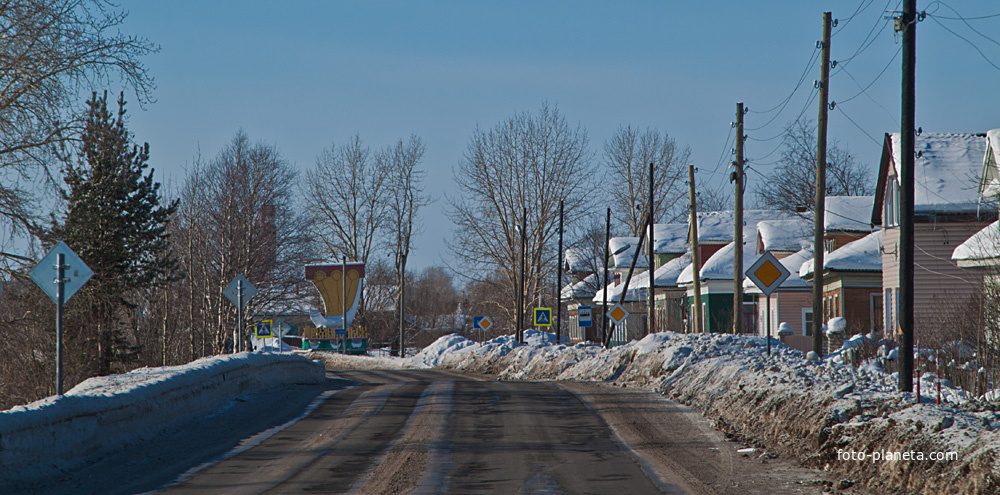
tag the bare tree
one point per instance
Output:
(345, 196)
(792, 184)
(53, 51)
(241, 218)
(526, 161)
(627, 155)
(405, 198)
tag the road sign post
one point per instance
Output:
(239, 291)
(70, 273)
(617, 314)
(483, 323)
(767, 274)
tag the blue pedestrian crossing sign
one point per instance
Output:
(263, 329)
(543, 317)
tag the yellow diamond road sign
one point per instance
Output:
(617, 314)
(767, 273)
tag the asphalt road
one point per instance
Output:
(431, 432)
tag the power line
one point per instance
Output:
(958, 16)
(858, 126)
(861, 8)
(963, 38)
(784, 102)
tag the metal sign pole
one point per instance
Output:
(60, 286)
(769, 324)
(237, 344)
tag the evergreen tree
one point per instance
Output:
(116, 224)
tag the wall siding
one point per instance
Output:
(938, 282)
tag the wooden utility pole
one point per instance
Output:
(651, 318)
(695, 255)
(737, 178)
(604, 306)
(819, 226)
(559, 271)
(907, 133)
(520, 289)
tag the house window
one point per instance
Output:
(807, 322)
(836, 305)
(829, 246)
(875, 306)
(891, 207)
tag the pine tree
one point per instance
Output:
(116, 224)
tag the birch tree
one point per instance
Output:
(53, 52)
(344, 194)
(526, 161)
(627, 155)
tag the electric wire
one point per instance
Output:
(963, 38)
(812, 63)
(861, 8)
(859, 127)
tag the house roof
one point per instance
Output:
(788, 235)
(716, 227)
(862, 255)
(670, 238)
(990, 183)
(624, 258)
(720, 265)
(636, 292)
(983, 245)
(582, 289)
(945, 172)
(848, 213)
(577, 260)
(791, 263)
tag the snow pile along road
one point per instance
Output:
(820, 412)
(102, 414)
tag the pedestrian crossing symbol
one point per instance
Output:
(543, 317)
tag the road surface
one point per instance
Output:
(430, 432)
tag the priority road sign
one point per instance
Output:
(75, 274)
(584, 316)
(767, 273)
(618, 314)
(482, 322)
(232, 291)
(543, 317)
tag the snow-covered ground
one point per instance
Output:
(104, 413)
(816, 411)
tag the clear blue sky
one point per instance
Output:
(304, 74)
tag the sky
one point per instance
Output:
(306, 74)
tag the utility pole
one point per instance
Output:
(737, 177)
(559, 271)
(651, 317)
(604, 306)
(907, 133)
(520, 284)
(819, 226)
(695, 256)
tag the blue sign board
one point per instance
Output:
(584, 316)
(543, 317)
(340, 331)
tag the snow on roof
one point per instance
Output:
(945, 172)
(849, 213)
(670, 238)
(785, 235)
(862, 255)
(577, 260)
(983, 245)
(717, 226)
(624, 258)
(636, 292)
(791, 263)
(582, 289)
(720, 265)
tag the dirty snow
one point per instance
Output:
(798, 408)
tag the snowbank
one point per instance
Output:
(781, 403)
(102, 414)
